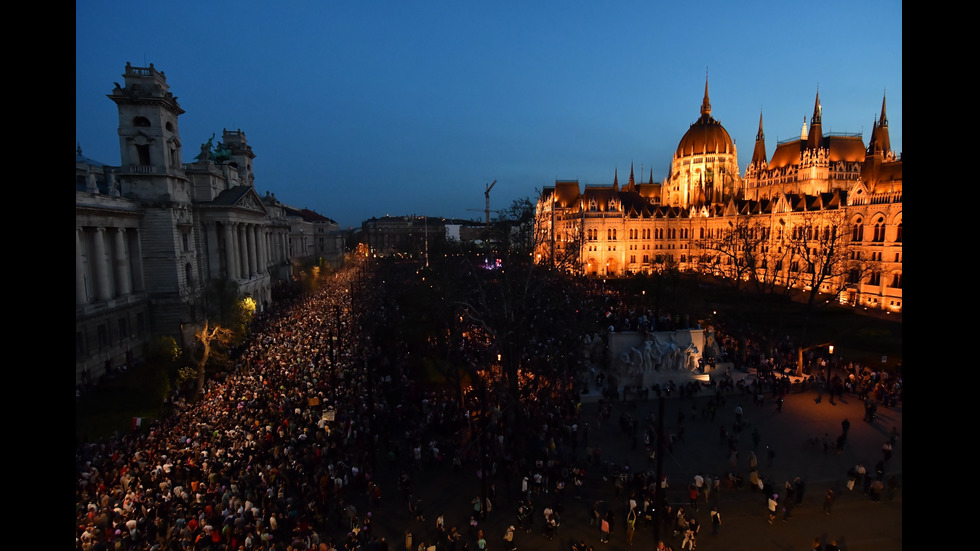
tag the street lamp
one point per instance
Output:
(801, 350)
(830, 361)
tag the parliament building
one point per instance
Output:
(823, 211)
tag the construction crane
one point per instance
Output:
(486, 194)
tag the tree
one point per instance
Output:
(735, 248)
(828, 261)
(769, 271)
(163, 350)
(556, 240)
(210, 338)
(824, 258)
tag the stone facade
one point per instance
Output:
(824, 211)
(154, 234)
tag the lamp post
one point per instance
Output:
(799, 357)
(830, 361)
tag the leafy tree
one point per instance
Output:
(163, 350)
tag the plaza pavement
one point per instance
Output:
(856, 522)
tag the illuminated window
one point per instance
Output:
(879, 231)
(858, 232)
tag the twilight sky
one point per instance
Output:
(365, 108)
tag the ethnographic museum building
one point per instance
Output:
(159, 241)
(824, 211)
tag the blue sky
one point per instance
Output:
(368, 108)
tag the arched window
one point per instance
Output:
(879, 233)
(141, 122)
(898, 233)
(858, 232)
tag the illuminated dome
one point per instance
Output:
(706, 135)
(705, 165)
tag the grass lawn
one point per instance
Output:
(858, 335)
(109, 408)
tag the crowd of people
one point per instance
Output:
(283, 451)
(288, 451)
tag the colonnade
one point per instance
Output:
(108, 263)
(249, 248)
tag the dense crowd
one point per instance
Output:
(283, 452)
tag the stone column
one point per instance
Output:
(242, 251)
(81, 294)
(284, 245)
(123, 278)
(230, 247)
(100, 265)
(263, 249)
(250, 230)
(136, 263)
(214, 254)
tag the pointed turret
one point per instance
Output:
(815, 136)
(616, 180)
(879, 150)
(759, 154)
(880, 142)
(631, 186)
(883, 120)
(706, 104)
